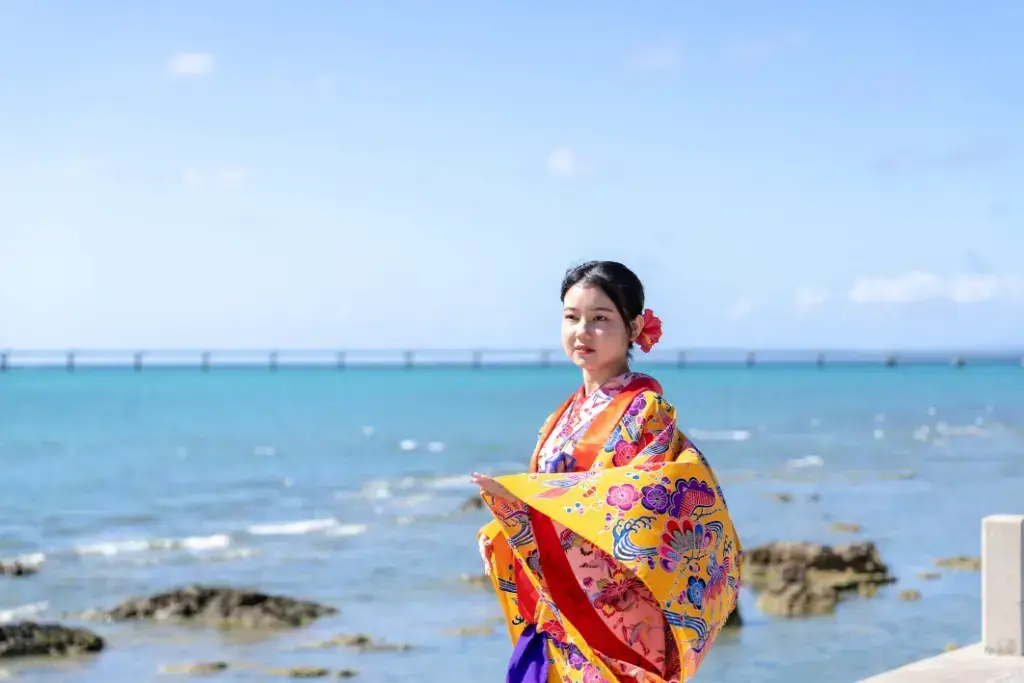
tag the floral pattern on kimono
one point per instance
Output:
(616, 594)
(645, 534)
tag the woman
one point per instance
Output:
(614, 558)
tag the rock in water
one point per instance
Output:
(844, 567)
(195, 669)
(791, 594)
(734, 620)
(29, 639)
(222, 606)
(472, 503)
(802, 579)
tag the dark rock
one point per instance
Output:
(222, 606)
(734, 620)
(361, 642)
(802, 579)
(30, 639)
(301, 672)
(477, 580)
(963, 563)
(845, 567)
(473, 503)
(467, 631)
(789, 593)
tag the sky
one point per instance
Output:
(324, 174)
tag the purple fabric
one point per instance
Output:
(529, 663)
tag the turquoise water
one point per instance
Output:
(345, 487)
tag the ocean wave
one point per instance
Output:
(296, 528)
(943, 430)
(347, 530)
(408, 490)
(806, 461)
(28, 559)
(23, 611)
(215, 547)
(194, 543)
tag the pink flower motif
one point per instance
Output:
(623, 496)
(592, 675)
(651, 332)
(624, 452)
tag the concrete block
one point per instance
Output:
(1002, 584)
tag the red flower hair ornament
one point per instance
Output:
(651, 332)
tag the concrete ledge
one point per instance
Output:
(999, 658)
(967, 665)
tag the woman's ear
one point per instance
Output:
(636, 328)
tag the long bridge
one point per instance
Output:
(339, 359)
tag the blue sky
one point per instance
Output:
(321, 174)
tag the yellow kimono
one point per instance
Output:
(619, 561)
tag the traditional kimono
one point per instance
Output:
(619, 562)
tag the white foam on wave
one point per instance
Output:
(302, 526)
(945, 429)
(942, 431)
(23, 611)
(806, 461)
(436, 446)
(408, 445)
(30, 560)
(719, 435)
(347, 530)
(190, 543)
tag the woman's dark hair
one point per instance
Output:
(619, 283)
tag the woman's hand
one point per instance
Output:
(491, 486)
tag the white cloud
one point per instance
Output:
(186, 64)
(919, 286)
(563, 162)
(808, 299)
(655, 58)
(739, 309)
(223, 177)
(968, 289)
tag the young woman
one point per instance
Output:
(614, 558)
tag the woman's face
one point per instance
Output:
(594, 335)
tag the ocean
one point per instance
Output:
(345, 487)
